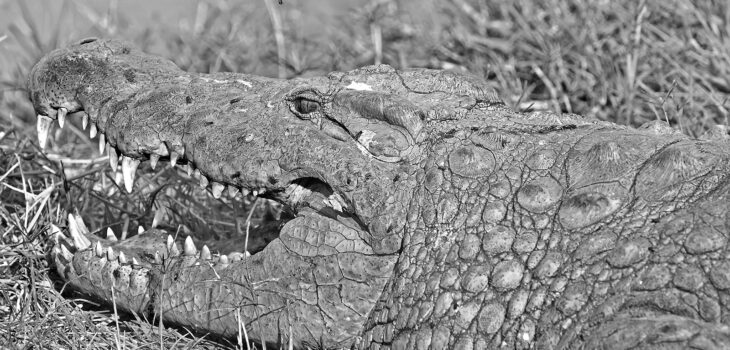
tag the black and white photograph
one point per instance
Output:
(364, 174)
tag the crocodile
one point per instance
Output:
(426, 213)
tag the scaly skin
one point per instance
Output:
(428, 215)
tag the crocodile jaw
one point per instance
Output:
(325, 267)
(236, 131)
(320, 296)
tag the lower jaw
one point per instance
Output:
(169, 283)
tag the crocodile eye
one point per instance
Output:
(305, 106)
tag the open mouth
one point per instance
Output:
(287, 201)
(332, 166)
(315, 223)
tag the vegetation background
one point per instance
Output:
(626, 61)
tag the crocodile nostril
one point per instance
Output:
(87, 41)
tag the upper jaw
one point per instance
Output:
(236, 131)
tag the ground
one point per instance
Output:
(623, 61)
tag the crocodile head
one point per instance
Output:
(341, 151)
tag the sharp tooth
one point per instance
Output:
(102, 143)
(162, 149)
(205, 253)
(81, 223)
(170, 242)
(66, 253)
(122, 258)
(61, 116)
(109, 253)
(113, 158)
(92, 131)
(232, 191)
(159, 215)
(43, 127)
(189, 247)
(190, 169)
(57, 234)
(223, 260)
(140, 230)
(217, 189)
(203, 181)
(255, 193)
(77, 234)
(173, 159)
(98, 249)
(158, 259)
(84, 121)
(153, 160)
(118, 178)
(57, 252)
(110, 234)
(246, 254)
(196, 173)
(129, 168)
(135, 262)
(174, 251)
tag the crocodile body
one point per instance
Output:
(428, 215)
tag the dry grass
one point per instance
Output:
(625, 61)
